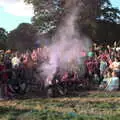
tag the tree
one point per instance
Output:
(91, 25)
(107, 30)
(23, 37)
(108, 13)
(48, 14)
(3, 38)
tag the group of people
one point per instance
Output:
(102, 65)
(16, 66)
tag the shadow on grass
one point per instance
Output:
(35, 95)
(81, 94)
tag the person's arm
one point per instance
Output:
(111, 65)
(75, 76)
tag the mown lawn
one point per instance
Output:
(90, 106)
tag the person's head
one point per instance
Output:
(109, 74)
(21, 59)
(8, 52)
(91, 48)
(108, 46)
(17, 54)
(100, 52)
(114, 74)
(13, 55)
(116, 59)
(106, 51)
(105, 75)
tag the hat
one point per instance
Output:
(90, 54)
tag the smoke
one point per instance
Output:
(66, 52)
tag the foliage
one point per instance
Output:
(3, 38)
(48, 14)
(105, 14)
(109, 13)
(23, 37)
(107, 33)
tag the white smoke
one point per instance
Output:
(67, 47)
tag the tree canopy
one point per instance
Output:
(97, 19)
(49, 12)
(23, 37)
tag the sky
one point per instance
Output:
(14, 12)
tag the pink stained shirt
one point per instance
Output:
(91, 65)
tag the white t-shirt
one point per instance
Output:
(15, 61)
(116, 65)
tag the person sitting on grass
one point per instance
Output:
(110, 81)
(113, 83)
(106, 79)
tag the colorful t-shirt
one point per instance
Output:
(91, 65)
(103, 66)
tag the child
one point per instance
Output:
(106, 80)
(110, 82)
(113, 83)
(103, 66)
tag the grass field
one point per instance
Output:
(87, 106)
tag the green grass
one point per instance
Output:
(94, 106)
(15, 114)
(104, 94)
(10, 113)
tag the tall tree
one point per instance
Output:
(48, 14)
(108, 13)
(23, 37)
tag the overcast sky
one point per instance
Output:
(14, 12)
